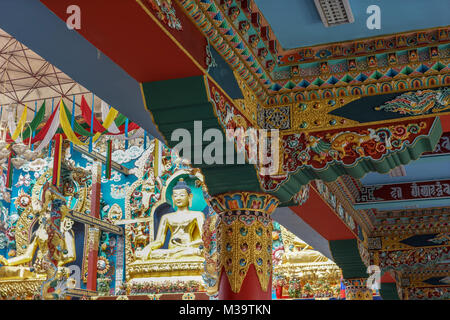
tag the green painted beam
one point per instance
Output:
(362, 166)
(388, 291)
(346, 255)
(176, 104)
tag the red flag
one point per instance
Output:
(57, 160)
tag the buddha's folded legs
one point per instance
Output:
(175, 253)
(20, 273)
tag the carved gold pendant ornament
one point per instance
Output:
(245, 236)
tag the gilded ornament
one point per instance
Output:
(244, 229)
(48, 257)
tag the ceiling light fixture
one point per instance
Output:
(334, 12)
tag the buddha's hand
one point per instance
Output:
(138, 254)
(3, 261)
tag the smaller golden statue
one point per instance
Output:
(185, 230)
(302, 266)
(303, 253)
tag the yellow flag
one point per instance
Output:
(67, 128)
(21, 124)
(112, 114)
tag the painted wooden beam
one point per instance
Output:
(102, 225)
(322, 218)
(131, 34)
(79, 293)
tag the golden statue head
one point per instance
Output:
(182, 195)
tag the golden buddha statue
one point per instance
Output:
(185, 231)
(52, 247)
(301, 264)
(298, 251)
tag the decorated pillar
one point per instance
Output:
(94, 233)
(356, 289)
(244, 245)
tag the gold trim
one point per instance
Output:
(370, 38)
(28, 288)
(231, 23)
(268, 95)
(357, 125)
(361, 86)
(209, 78)
(363, 54)
(364, 221)
(257, 79)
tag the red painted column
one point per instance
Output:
(94, 233)
(250, 289)
(244, 244)
(9, 174)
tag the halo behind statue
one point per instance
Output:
(183, 180)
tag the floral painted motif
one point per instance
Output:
(244, 201)
(211, 263)
(335, 204)
(302, 196)
(229, 116)
(442, 293)
(422, 257)
(277, 244)
(319, 149)
(420, 102)
(166, 13)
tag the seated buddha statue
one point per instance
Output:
(52, 247)
(185, 231)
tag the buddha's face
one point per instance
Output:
(181, 198)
